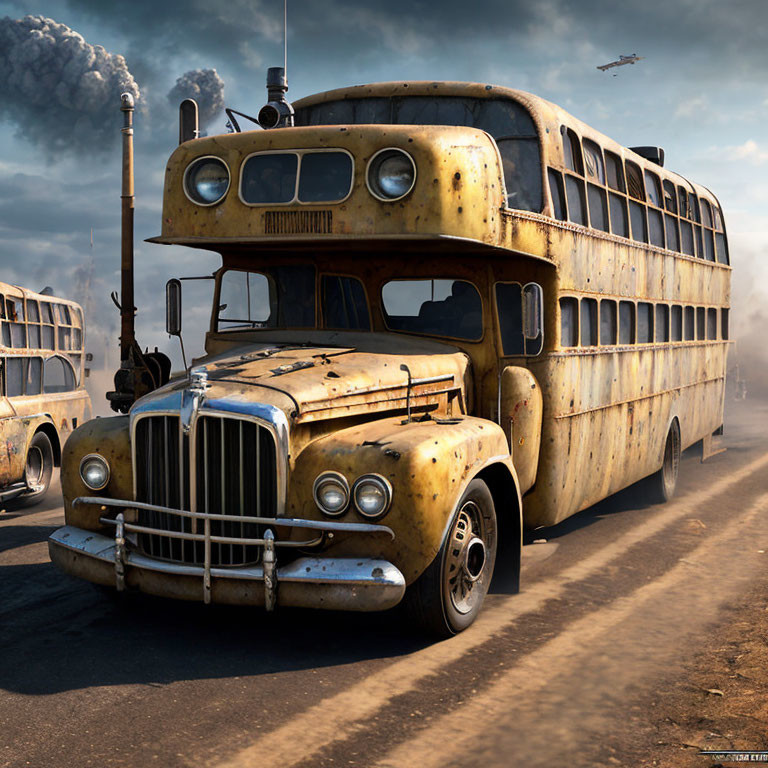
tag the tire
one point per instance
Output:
(38, 468)
(662, 484)
(448, 596)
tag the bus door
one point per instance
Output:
(520, 402)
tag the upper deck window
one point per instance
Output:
(670, 198)
(572, 151)
(593, 161)
(614, 172)
(653, 187)
(508, 122)
(324, 177)
(450, 308)
(270, 178)
(635, 181)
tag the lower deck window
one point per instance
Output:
(608, 324)
(677, 323)
(626, 322)
(588, 323)
(444, 307)
(644, 323)
(662, 322)
(711, 324)
(569, 322)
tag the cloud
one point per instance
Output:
(205, 87)
(750, 150)
(691, 107)
(60, 92)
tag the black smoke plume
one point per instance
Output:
(62, 93)
(205, 87)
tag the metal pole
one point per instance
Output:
(127, 309)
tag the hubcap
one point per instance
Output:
(465, 571)
(34, 469)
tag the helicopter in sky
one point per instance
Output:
(620, 62)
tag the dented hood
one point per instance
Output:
(312, 382)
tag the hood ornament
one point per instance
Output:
(193, 396)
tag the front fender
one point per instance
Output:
(110, 438)
(428, 463)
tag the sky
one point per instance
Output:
(701, 92)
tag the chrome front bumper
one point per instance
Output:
(359, 584)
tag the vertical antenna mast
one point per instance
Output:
(285, 37)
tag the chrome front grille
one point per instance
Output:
(223, 466)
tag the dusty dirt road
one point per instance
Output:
(577, 670)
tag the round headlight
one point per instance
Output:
(391, 174)
(94, 471)
(206, 180)
(331, 492)
(372, 495)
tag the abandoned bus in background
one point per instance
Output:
(43, 397)
(444, 310)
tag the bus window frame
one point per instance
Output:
(416, 278)
(497, 319)
(67, 362)
(578, 160)
(219, 274)
(295, 199)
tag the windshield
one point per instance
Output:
(508, 122)
(296, 296)
(284, 297)
(281, 297)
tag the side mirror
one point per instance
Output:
(533, 318)
(173, 307)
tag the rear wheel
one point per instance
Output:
(448, 596)
(662, 484)
(38, 469)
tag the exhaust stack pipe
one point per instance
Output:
(127, 309)
(139, 373)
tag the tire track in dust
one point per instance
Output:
(441, 743)
(338, 716)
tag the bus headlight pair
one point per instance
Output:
(391, 175)
(371, 494)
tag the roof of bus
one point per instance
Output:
(8, 289)
(547, 116)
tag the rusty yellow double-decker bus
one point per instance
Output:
(43, 398)
(444, 311)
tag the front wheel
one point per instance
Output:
(448, 596)
(38, 469)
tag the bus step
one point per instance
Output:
(710, 447)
